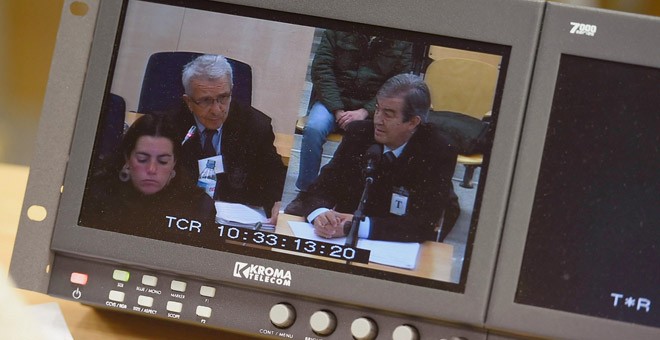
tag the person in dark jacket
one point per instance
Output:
(412, 180)
(347, 71)
(239, 137)
(142, 190)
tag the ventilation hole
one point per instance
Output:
(78, 8)
(37, 213)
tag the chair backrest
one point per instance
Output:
(462, 85)
(111, 126)
(162, 88)
(468, 134)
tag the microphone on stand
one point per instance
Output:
(372, 157)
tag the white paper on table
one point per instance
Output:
(395, 254)
(51, 321)
(239, 214)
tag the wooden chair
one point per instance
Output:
(465, 86)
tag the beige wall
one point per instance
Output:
(277, 52)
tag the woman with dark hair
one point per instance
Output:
(142, 191)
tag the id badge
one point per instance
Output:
(219, 167)
(399, 202)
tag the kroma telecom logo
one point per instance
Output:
(261, 273)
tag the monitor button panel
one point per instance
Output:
(231, 307)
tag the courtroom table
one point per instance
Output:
(433, 262)
(84, 322)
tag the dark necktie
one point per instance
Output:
(389, 157)
(208, 150)
(388, 161)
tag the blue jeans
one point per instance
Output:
(320, 123)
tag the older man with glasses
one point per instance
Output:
(238, 137)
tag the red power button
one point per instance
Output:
(79, 278)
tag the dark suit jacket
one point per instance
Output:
(254, 172)
(424, 169)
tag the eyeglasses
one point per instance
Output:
(207, 102)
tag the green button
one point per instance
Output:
(121, 275)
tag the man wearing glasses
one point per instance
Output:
(238, 138)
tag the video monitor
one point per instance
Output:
(250, 170)
(140, 78)
(135, 200)
(584, 217)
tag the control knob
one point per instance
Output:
(405, 332)
(323, 322)
(364, 329)
(282, 315)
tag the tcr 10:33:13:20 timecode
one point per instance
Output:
(292, 243)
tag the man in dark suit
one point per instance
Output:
(239, 137)
(412, 181)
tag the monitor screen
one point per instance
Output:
(579, 247)
(285, 68)
(596, 200)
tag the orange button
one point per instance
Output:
(79, 278)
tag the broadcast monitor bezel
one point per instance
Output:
(509, 23)
(620, 37)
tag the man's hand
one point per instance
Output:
(331, 224)
(344, 117)
(274, 212)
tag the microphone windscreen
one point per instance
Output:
(372, 158)
(374, 152)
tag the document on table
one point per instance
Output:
(241, 215)
(396, 254)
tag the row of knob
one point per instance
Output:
(282, 315)
(323, 322)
